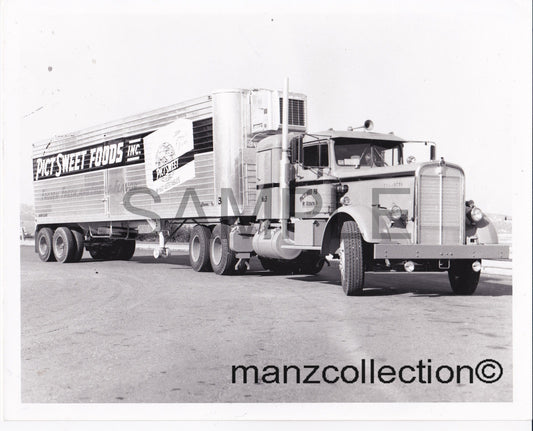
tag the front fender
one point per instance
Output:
(367, 220)
(484, 230)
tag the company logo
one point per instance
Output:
(308, 198)
(166, 162)
(109, 154)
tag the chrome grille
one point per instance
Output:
(440, 209)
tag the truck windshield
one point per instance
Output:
(370, 153)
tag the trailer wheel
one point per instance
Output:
(44, 244)
(64, 244)
(351, 263)
(223, 260)
(98, 253)
(199, 248)
(463, 279)
(126, 249)
(80, 245)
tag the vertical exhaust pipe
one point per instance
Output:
(284, 162)
(274, 243)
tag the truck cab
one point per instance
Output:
(377, 202)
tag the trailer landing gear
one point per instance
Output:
(163, 252)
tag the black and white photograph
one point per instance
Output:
(250, 210)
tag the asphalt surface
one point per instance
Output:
(156, 331)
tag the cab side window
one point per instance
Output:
(315, 155)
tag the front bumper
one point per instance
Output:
(419, 251)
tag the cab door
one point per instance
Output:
(313, 193)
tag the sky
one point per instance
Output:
(454, 72)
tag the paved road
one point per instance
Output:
(147, 331)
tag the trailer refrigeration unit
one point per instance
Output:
(240, 166)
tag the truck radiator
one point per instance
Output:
(440, 205)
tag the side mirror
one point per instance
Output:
(432, 152)
(295, 149)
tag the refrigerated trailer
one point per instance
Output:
(240, 166)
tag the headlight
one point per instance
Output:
(476, 214)
(345, 200)
(395, 213)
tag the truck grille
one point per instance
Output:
(441, 207)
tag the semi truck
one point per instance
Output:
(240, 166)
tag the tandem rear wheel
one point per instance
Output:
(66, 245)
(63, 244)
(209, 251)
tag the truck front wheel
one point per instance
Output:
(223, 260)
(64, 244)
(199, 248)
(44, 244)
(351, 263)
(463, 279)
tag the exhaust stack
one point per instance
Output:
(284, 162)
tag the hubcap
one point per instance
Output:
(195, 248)
(216, 250)
(43, 246)
(60, 246)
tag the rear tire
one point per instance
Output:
(311, 262)
(63, 244)
(463, 279)
(267, 263)
(44, 244)
(199, 249)
(223, 260)
(99, 253)
(80, 245)
(126, 249)
(308, 262)
(351, 263)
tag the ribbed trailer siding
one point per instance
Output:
(226, 127)
(98, 196)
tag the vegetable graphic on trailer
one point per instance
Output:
(166, 164)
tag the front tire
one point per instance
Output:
(463, 279)
(64, 244)
(351, 264)
(199, 248)
(44, 244)
(223, 260)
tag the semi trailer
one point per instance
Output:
(240, 166)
